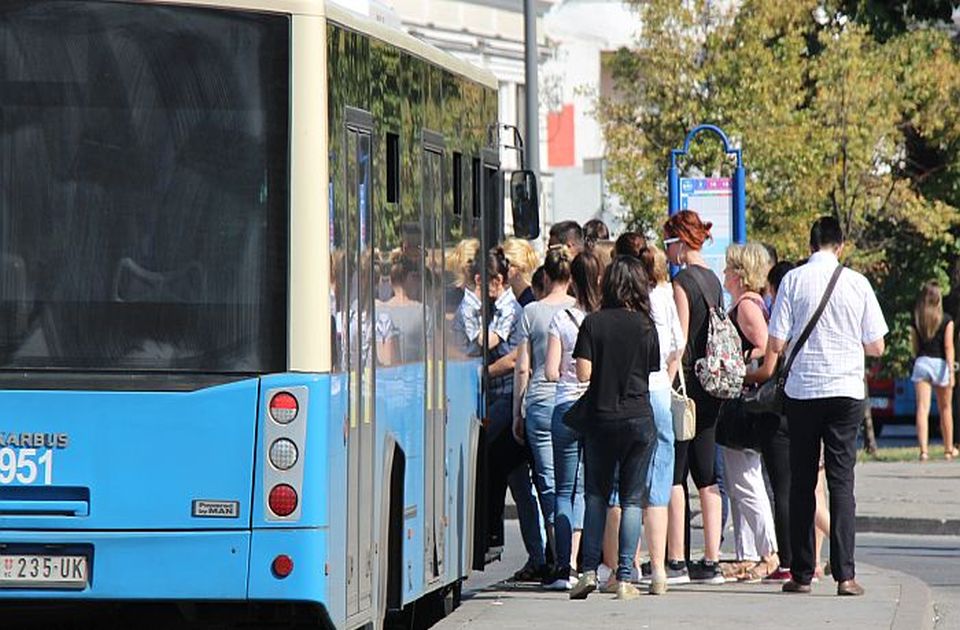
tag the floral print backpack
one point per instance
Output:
(721, 369)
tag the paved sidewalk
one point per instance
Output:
(892, 498)
(894, 600)
(909, 497)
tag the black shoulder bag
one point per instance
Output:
(769, 397)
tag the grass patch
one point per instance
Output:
(899, 454)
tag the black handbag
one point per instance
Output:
(740, 428)
(769, 396)
(577, 416)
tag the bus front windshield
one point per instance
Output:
(143, 188)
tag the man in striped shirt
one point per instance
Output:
(825, 396)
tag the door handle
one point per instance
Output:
(43, 508)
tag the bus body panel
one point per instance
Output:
(139, 460)
(462, 395)
(308, 580)
(147, 565)
(400, 412)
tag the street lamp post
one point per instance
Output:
(531, 110)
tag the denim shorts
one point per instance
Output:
(660, 476)
(932, 370)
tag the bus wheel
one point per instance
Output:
(433, 607)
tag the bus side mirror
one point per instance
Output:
(525, 199)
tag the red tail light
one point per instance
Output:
(282, 566)
(283, 408)
(283, 500)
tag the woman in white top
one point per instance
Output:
(663, 308)
(560, 367)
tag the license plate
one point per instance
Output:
(879, 402)
(40, 571)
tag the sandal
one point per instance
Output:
(756, 573)
(735, 570)
(948, 455)
(924, 456)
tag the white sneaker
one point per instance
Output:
(603, 573)
(559, 584)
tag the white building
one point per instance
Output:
(582, 33)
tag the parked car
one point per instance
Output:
(894, 401)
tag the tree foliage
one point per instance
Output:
(832, 119)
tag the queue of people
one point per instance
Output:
(586, 354)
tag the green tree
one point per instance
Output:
(827, 116)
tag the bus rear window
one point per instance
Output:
(143, 188)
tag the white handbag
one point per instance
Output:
(684, 411)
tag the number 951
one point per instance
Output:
(24, 466)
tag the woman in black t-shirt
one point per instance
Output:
(932, 334)
(617, 349)
(694, 288)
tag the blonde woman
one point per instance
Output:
(745, 277)
(523, 261)
(932, 334)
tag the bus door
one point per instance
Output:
(435, 419)
(360, 352)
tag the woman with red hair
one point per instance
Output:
(696, 289)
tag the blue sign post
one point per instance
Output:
(720, 200)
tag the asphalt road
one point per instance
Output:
(933, 559)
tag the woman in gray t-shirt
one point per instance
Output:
(560, 368)
(533, 395)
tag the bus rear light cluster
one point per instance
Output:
(283, 500)
(284, 439)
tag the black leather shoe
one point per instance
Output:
(795, 587)
(849, 588)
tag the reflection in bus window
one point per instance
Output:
(148, 232)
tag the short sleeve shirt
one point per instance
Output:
(623, 349)
(669, 333)
(505, 323)
(534, 327)
(831, 362)
(565, 327)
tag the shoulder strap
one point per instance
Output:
(703, 290)
(813, 321)
(572, 318)
(735, 311)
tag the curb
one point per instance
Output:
(900, 525)
(915, 608)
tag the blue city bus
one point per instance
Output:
(233, 236)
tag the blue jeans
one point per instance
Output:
(568, 481)
(539, 435)
(629, 444)
(660, 477)
(518, 480)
